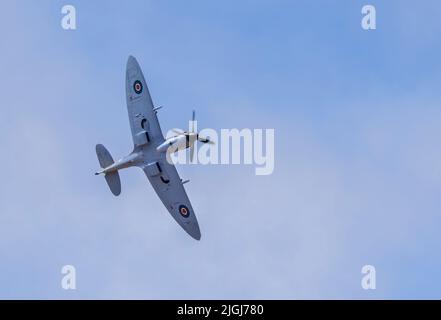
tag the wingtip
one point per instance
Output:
(197, 237)
(196, 234)
(131, 59)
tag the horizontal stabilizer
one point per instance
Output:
(114, 182)
(112, 178)
(104, 156)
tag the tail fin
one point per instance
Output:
(112, 178)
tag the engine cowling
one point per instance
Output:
(173, 143)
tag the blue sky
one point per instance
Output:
(357, 166)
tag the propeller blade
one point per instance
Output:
(178, 131)
(205, 140)
(192, 153)
(192, 121)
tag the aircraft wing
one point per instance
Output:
(168, 185)
(143, 120)
(147, 135)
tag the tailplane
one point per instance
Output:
(114, 182)
(112, 178)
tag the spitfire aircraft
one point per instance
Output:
(150, 152)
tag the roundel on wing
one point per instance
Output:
(183, 210)
(137, 86)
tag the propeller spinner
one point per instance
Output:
(193, 136)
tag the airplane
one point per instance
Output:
(151, 150)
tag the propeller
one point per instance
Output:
(193, 135)
(193, 118)
(178, 131)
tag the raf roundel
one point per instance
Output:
(137, 86)
(183, 210)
